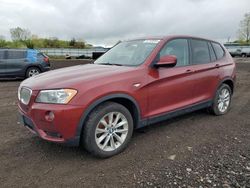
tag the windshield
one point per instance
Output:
(128, 53)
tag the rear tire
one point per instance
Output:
(108, 130)
(243, 55)
(222, 100)
(32, 71)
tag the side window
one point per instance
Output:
(16, 54)
(179, 48)
(200, 51)
(2, 54)
(218, 50)
(212, 54)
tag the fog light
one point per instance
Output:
(49, 116)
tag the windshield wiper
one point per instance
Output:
(110, 64)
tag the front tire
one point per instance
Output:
(222, 101)
(108, 130)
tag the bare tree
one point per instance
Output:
(19, 34)
(244, 30)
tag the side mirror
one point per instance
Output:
(167, 61)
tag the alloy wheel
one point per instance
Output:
(111, 131)
(224, 100)
(33, 72)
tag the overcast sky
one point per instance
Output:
(107, 21)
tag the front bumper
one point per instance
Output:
(62, 129)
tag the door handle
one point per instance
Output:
(217, 66)
(189, 70)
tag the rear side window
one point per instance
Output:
(200, 51)
(212, 54)
(16, 54)
(178, 48)
(218, 50)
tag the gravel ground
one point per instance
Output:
(194, 150)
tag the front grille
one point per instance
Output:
(24, 95)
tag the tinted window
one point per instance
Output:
(218, 50)
(41, 55)
(200, 52)
(211, 50)
(179, 48)
(1, 54)
(16, 54)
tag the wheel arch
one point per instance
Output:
(123, 99)
(243, 54)
(230, 83)
(30, 66)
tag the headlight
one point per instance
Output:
(24, 95)
(59, 96)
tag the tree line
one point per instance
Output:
(22, 38)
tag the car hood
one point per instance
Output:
(71, 77)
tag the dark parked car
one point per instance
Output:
(134, 84)
(22, 63)
(82, 57)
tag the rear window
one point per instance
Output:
(218, 50)
(41, 55)
(200, 51)
(16, 54)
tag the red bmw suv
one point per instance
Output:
(134, 84)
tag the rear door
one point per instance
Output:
(206, 73)
(171, 88)
(16, 61)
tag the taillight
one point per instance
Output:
(46, 59)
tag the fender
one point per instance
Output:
(223, 80)
(101, 100)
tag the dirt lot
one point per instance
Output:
(189, 151)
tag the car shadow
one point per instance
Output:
(173, 121)
(55, 150)
(11, 79)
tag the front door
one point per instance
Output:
(169, 88)
(3, 64)
(16, 61)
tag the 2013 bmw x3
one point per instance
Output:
(136, 83)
